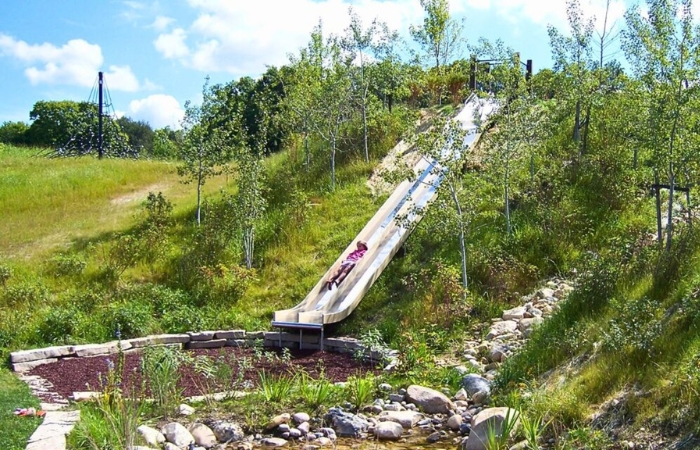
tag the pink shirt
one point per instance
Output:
(355, 256)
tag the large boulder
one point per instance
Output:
(429, 400)
(346, 424)
(490, 420)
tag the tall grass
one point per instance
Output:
(48, 202)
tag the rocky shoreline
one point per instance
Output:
(461, 418)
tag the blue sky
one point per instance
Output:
(156, 54)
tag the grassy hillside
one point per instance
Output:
(620, 360)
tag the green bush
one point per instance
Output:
(60, 324)
(66, 265)
(634, 328)
(134, 318)
(26, 294)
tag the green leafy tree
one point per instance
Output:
(204, 153)
(359, 41)
(440, 35)
(455, 206)
(572, 55)
(140, 134)
(331, 94)
(165, 143)
(519, 121)
(72, 129)
(14, 133)
(663, 47)
(389, 71)
(250, 202)
(298, 105)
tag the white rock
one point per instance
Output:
(278, 420)
(461, 395)
(388, 431)
(488, 419)
(186, 410)
(203, 435)
(274, 442)
(501, 328)
(300, 417)
(429, 400)
(40, 353)
(515, 313)
(177, 434)
(407, 419)
(151, 436)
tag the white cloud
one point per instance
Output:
(243, 37)
(551, 12)
(121, 78)
(75, 63)
(158, 110)
(172, 45)
(161, 23)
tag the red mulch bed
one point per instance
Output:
(83, 374)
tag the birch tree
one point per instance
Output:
(359, 41)
(331, 99)
(204, 152)
(518, 121)
(440, 36)
(572, 57)
(455, 206)
(663, 47)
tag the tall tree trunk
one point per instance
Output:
(671, 197)
(586, 124)
(307, 154)
(657, 193)
(333, 163)
(506, 191)
(462, 241)
(199, 192)
(364, 126)
(249, 245)
(577, 123)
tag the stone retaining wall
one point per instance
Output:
(26, 360)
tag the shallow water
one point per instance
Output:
(412, 440)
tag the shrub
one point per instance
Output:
(634, 328)
(134, 318)
(361, 390)
(60, 324)
(65, 265)
(27, 294)
(275, 389)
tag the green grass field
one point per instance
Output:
(49, 203)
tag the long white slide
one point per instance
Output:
(384, 236)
